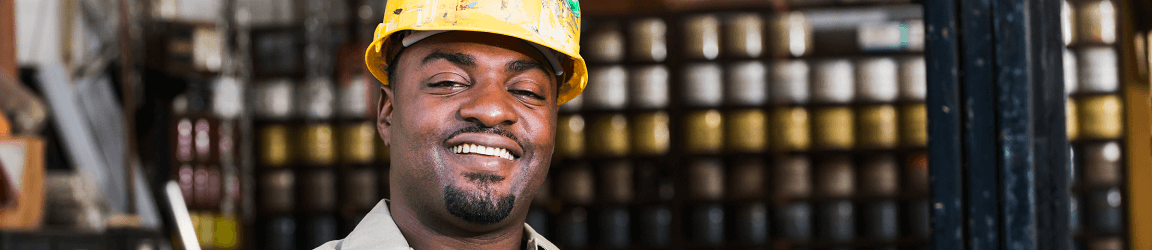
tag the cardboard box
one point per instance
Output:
(23, 160)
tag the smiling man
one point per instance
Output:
(468, 108)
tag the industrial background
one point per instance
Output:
(725, 124)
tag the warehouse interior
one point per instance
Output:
(724, 124)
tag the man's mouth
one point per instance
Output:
(469, 148)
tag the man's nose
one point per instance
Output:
(491, 105)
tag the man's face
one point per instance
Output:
(470, 118)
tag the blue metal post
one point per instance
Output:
(998, 161)
(944, 124)
(979, 113)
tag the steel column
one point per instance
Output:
(980, 137)
(945, 175)
(1050, 137)
(999, 180)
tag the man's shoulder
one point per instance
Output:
(339, 245)
(535, 240)
(331, 245)
(377, 231)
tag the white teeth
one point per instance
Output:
(482, 150)
(506, 154)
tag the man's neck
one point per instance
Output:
(424, 236)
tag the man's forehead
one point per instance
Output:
(464, 50)
(476, 44)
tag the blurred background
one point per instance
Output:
(730, 124)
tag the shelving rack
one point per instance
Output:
(732, 164)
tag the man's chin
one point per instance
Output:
(477, 207)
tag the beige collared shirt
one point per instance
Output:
(378, 231)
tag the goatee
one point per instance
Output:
(477, 207)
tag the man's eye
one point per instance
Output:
(447, 84)
(529, 94)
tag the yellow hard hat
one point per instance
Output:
(553, 24)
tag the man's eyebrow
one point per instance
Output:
(457, 58)
(523, 65)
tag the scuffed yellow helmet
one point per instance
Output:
(554, 24)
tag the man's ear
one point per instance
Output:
(384, 116)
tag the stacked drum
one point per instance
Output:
(321, 165)
(206, 154)
(745, 129)
(1095, 115)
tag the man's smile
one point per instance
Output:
(485, 144)
(482, 150)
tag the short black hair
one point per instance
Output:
(392, 70)
(394, 58)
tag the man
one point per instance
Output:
(468, 108)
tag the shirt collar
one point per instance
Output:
(536, 241)
(378, 231)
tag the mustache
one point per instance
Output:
(483, 178)
(475, 128)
